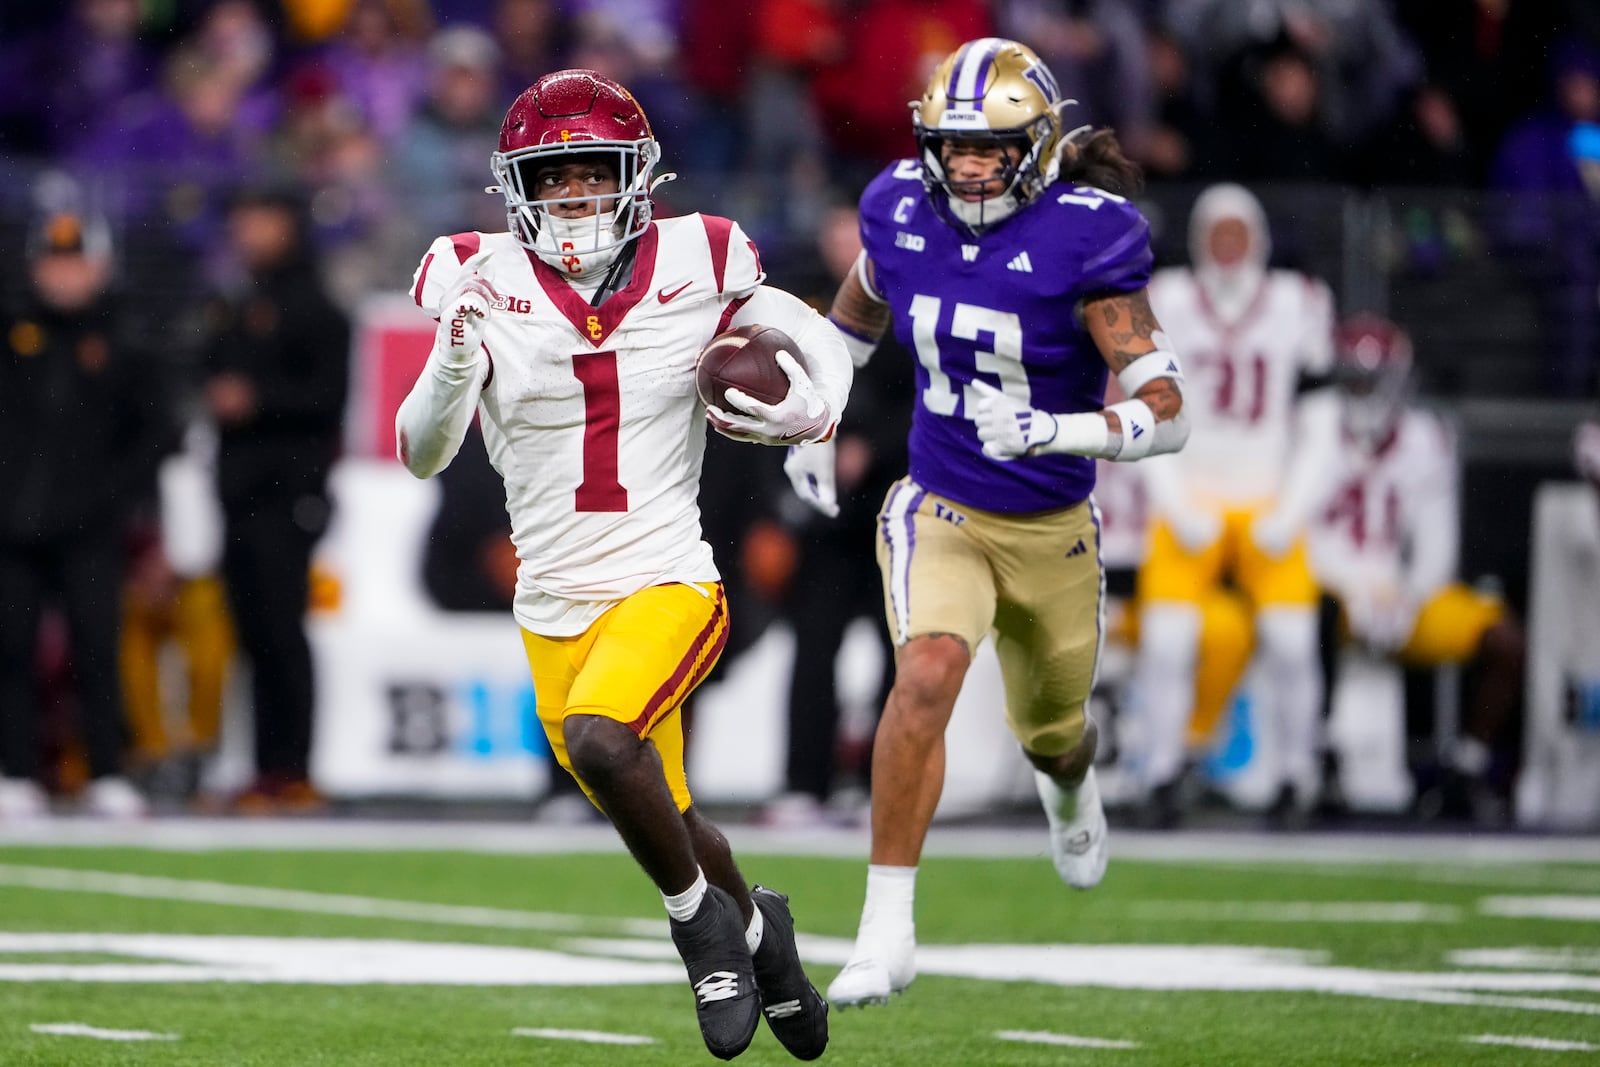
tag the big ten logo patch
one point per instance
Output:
(517, 305)
(473, 718)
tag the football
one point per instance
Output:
(744, 358)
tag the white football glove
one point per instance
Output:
(811, 471)
(463, 314)
(1274, 534)
(1195, 530)
(801, 416)
(1007, 428)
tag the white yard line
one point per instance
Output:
(1543, 1044)
(1045, 1037)
(85, 1030)
(184, 833)
(1572, 909)
(58, 879)
(1297, 911)
(1526, 959)
(1488, 1000)
(593, 1037)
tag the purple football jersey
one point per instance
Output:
(999, 308)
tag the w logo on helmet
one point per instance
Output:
(1040, 76)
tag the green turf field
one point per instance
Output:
(301, 957)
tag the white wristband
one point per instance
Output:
(1083, 434)
(1147, 368)
(1138, 428)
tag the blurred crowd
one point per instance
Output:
(222, 158)
(384, 110)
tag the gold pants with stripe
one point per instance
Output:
(637, 664)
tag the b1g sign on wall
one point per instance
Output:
(441, 708)
(411, 700)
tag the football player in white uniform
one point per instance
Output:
(1235, 503)
(1387, 545)
(574, 337)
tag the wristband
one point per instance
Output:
(1146, 369)
(1138, 428)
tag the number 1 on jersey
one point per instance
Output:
(602, 414)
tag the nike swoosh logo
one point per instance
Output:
(663, 296)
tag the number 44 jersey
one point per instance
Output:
(590, 413)
(1000, 307)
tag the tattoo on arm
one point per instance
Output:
(1163, 398)
(856, 311)
(1121, 325)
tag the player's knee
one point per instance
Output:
(598, 748)
(929, 670)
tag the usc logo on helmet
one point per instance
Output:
(566, 135)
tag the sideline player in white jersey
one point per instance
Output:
(1387, 547)
(1235, 503)
(1007, 259)
(574, 337)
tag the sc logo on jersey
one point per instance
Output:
(911, 242)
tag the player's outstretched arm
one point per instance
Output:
(1149, 423)
(433, 418)
(861, 315)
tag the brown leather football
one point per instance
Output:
(745, 358)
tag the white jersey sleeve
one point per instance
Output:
(433, 418)
(437, 272)
(1314, 346)
(735, 262)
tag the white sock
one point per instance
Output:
(891, 892)
(682, 906)
(753, 932)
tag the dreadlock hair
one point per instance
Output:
(1097, 160)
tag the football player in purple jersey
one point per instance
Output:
(1008, 260)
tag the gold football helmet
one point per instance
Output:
(990, 89)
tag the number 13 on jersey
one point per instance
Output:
(967, 323)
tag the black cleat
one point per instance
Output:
(721, 972)
(795, 1011)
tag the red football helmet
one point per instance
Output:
(574, 113)
(1372, 367)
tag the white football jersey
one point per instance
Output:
(1241, 379)
(590, 414)
(1394, 517)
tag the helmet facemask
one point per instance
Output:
(990, 90)
(579, 247)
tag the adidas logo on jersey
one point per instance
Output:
(1078, 549)
(1021, 262)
